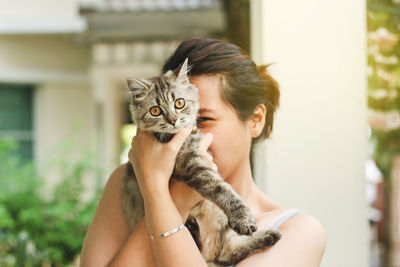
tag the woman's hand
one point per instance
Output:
(205, 142)
(153, 161)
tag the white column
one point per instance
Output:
(316, 155)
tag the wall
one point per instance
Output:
(316, 155)
(41, 58)
(57, 67)
(40, 16)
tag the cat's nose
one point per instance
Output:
(171, 120)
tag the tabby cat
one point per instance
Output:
(164, 105)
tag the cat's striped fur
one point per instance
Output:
(211, 221)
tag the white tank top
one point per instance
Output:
(281, 218)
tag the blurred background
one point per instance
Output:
(65, 123)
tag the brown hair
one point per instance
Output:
(246, 85)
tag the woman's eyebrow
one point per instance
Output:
(206, 110)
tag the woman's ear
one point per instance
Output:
(257, 120)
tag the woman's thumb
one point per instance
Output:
(181, 136)
(205, 142)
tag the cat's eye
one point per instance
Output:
(155, 111)
(179, 103)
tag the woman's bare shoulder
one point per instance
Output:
(302, 243)
(306, 228)
(303, 240)
(116, 176)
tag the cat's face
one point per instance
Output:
(166, 103)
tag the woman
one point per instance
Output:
(237, 103)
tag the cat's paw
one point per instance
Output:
(243, 225)
(270, 237)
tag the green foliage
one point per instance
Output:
(55, 226)
(386, 146)
(383, 20)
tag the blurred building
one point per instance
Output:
(64, 63)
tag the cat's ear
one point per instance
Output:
(182, 76)
(139, 89)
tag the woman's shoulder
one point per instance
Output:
(303, 238)
(306, 233)
(302, 224)
(296, 222)
(118, 172)
(115, 179)
(285, 219)
(302, 241)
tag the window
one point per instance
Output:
(16, 117)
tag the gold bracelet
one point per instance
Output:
(171, 232)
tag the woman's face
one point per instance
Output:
(232, 137)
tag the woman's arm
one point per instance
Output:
(175, 250)
(154, 163)
(109, 241)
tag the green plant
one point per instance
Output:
(383, 25)
(383, 20)
(55, 226)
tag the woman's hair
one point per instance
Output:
(244, 85)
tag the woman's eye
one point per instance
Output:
(179, 103)
(202, 119)
(155, 111)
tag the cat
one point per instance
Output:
(163, 105)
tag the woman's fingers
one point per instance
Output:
(145, 140)
(205, 142)
(179, 138)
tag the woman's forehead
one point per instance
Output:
(206, 80)
(211, 101)
(209, 91)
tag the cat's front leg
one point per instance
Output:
(237, 248)
(196, 173)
